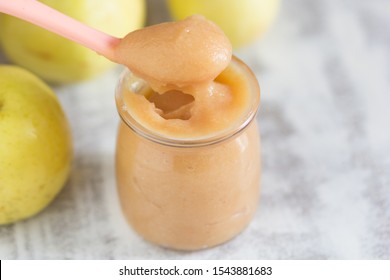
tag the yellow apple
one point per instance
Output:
(35, 145)
(59, 60)
(242, 20)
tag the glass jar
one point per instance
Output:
(188, 194)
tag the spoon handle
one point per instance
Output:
(56, 22)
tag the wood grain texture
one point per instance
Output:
(324, 71)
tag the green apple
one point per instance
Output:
(35, 145)
(59, 60)
(242, 20)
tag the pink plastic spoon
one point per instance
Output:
(56, 22)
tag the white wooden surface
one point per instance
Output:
(324, 70)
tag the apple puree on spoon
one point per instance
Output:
(176, 54)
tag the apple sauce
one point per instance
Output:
(188, 155)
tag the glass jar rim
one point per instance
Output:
(209, 139)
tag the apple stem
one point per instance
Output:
(41, 15)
